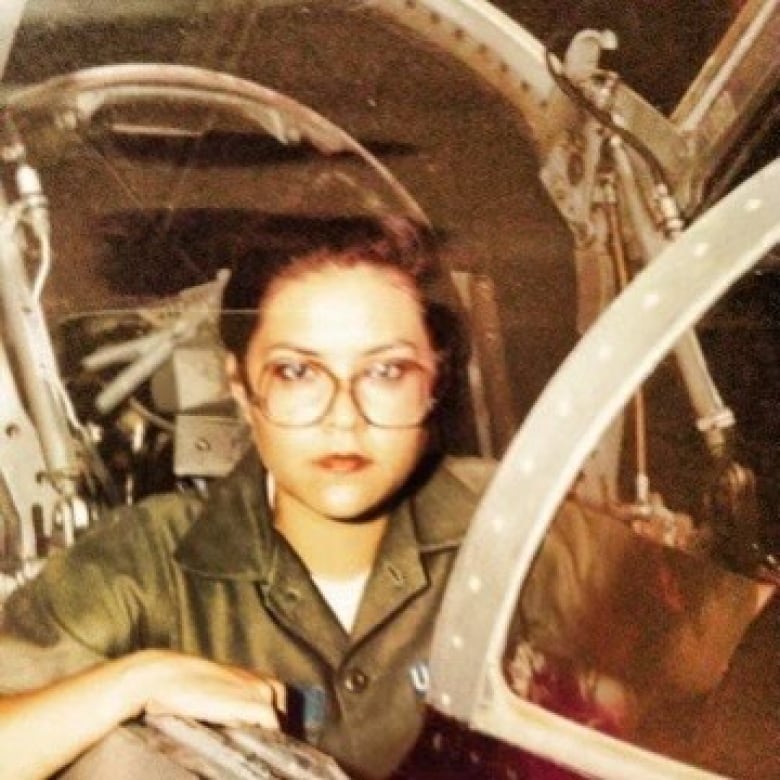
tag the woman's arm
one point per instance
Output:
(43, 730)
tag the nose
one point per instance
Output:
(343, 413)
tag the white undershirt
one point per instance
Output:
(343, 596)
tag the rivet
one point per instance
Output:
(527, 466)
(651, 300)
(475, 584)
(701, 249)
(754, 204)
(446, 700)
(457, 641)
(605, 352)
(563, 408)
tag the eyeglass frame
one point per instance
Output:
(259, 403)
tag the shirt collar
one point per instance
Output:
(234, 537)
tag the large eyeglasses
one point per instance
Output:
(388, 393)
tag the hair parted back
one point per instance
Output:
(395, 244)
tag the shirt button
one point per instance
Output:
(356, 681)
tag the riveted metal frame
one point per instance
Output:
(578, 405)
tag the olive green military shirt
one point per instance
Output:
(216, 579)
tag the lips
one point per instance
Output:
(342, 463)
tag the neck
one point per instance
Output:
(329, 547)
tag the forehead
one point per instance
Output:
(337, 310)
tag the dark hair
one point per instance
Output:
(393, 243)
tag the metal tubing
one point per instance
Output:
(26, 331)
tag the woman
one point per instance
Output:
(313, 572)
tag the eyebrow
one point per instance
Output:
(367, 353)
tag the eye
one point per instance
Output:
(292, 370)
(391, 370)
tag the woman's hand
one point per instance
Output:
(193, 687)
(43, 730)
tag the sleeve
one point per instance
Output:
(34, 650)
(109, 594)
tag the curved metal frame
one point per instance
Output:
(579, 403)
(75, 97)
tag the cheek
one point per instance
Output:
(275, 445)
(400, 449)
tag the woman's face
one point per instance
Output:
(320, 334)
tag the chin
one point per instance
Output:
(350, 504)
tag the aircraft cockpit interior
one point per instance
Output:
(602, 188)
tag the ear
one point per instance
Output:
(236, 385)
